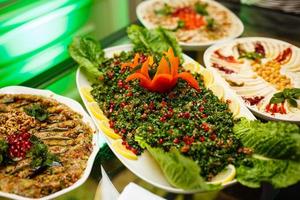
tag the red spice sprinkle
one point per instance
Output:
(226, 58)
(260, 49)
(284, 56)
(222, 68)
(253, 100)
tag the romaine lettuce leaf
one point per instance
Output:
(180, 171)
(155, 41)
(280, 173)
(88, 54)
(275, 157)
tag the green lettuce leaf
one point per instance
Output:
(276, 150)
(280, 173)
(88, 54)
(155, 41)
(180, 171)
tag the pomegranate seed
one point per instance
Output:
(116, 130)
(161, 140)
(162, 119)
(110, 75)
(130, 94)
(151, 105)
(111, 124)
(122, 104)
(163, 103)
(203, 115)
(176, 141)
(201, 108)
(123, 130)
(19, 144)
(120, 83)
(202, 139)
(213, 136)
(135, 151)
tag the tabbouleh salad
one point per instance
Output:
(185, 125)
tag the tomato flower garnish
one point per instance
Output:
(166, 75)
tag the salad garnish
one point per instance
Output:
(166, 75)
(288, 94)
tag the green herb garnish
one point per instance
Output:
(41, 157)
(251, 56)
(37, 111)
(289, 94)
(3, 152)
(180, 24)
(166, 10)
(201, 8)
(211, 23)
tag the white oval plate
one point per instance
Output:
(269, 46)
(145, 166)
(236, 30)
(75, 106)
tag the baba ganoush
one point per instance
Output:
(44, 145)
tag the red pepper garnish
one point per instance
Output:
(284, 56)
(230, 59)
(276, 108)
(166, 76)
(191, 19)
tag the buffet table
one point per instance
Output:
(61, 80)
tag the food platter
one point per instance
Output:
(256, 80)
(145, 166)
(227, 25)
(74, 106)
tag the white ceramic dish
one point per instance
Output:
(86, 118)
(273, 48)
(236, 30)
(145, 166)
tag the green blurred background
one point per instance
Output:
(34, 34)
